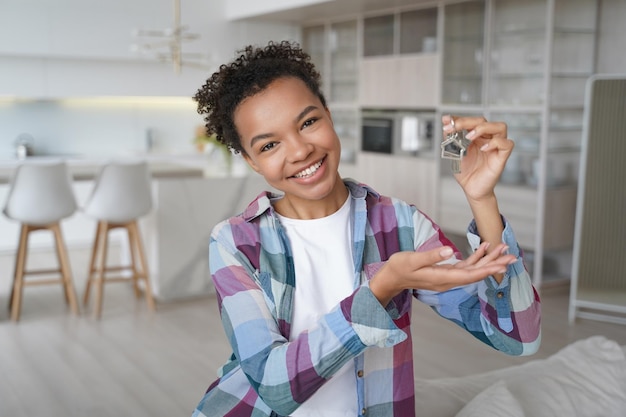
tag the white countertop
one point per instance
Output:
(85, 169)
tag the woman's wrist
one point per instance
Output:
(381, 286)
(488, 220)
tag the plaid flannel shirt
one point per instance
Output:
(268, 375)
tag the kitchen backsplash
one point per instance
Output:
(100, 127)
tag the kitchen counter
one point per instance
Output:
(87, 169)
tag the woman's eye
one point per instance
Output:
(309, 122)
(268, 146)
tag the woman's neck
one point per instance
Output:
(298, 208)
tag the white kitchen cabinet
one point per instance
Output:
(527, 65)
(396, 82)
(400, 62)
(408, 178)
(400, 32)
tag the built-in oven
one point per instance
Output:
(397, 132)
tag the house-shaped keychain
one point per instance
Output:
(454, 148)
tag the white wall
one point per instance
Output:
(53, 50)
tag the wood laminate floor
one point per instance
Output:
(136, 363)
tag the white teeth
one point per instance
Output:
(309, 171)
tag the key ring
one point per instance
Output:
(454, 147)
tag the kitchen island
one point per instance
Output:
(187, 204)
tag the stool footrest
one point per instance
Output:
(42, 281)
(113, 268)
(42, 271)
(115, 279)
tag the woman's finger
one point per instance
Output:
(485, 130)
(500, 144)
(476, 256)
(443, 277)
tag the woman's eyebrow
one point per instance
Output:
(260, 137)
(306, 111)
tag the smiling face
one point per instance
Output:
(288, 137)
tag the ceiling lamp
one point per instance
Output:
(166, 45)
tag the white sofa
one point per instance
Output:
(586, 379)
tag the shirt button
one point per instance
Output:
(363, 411)
(499, 294)
(359, 374)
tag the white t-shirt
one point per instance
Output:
(322, 253)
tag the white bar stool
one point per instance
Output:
(40, 196)
(121, 195)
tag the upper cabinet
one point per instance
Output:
(378, 35)
(418, 31)
(343, 53)
(530, 51)
(462, 67)
(334, 49)
(400, 63)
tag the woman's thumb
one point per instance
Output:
(446, 252)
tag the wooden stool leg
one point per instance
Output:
(144, 265)
(95, 250)
(58, 249)
(103, 246)
(18, 279)
(132, 247)
(66, 273)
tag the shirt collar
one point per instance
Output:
(263, 202)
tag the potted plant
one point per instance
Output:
(208, 144)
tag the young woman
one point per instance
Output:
(315, 284)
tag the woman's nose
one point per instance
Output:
(299, 148)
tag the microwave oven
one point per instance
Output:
(397, 132)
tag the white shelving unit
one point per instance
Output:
(525, 63)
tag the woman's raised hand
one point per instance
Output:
(428, 271)
(486, 156)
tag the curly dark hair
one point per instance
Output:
(251, 72)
